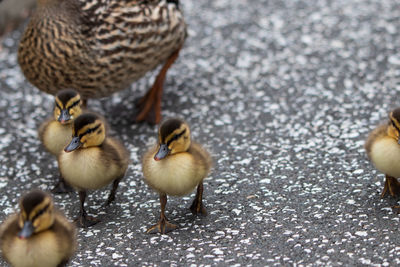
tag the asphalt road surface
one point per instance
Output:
(283, 93)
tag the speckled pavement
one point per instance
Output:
(283, 93)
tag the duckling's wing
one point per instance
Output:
(378, 132)
(201, 157)
(114, 152)
(43, 127)
(66, 236)
(8, 231)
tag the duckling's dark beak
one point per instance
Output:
(74, 144)
(398, 140)
(64, 116)
(162, 152)
(27, 230)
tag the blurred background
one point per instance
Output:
(13, 12)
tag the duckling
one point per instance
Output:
(101, 47)
(175, 166)
(39, 235)
(91, 161)
(383, 149)
(55, 133)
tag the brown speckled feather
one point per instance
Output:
(98, 47)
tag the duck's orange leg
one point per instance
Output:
(62, 187)
(150, 104)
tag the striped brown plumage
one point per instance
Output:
(99, 47)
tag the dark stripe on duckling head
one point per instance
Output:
(66, 94)
(73, 104)
(395, 118)
(176, 137)
(168, 127)
(83, 120)
(90, 130)
(32, 199)
(396, 114)
(58, 106)
(40, 212)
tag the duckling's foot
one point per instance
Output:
(197, 205)
(198, 208)
(396, 208)
(150, 104)
(392, 186)
(62, 187)
(163, 226)
(85, 221)
(111, 197)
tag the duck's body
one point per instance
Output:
(55, 136)
(92, 160)
(178, 174)
(94, 167)
(175, 166)
(99, 47)
(383, 149)
(47, 249)
(50, 243)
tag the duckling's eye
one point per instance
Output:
(395, 126)
(91, 130)
(176, 137)
(74, 104)
(40, 212)
(58, 106)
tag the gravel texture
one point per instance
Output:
(283, 93)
